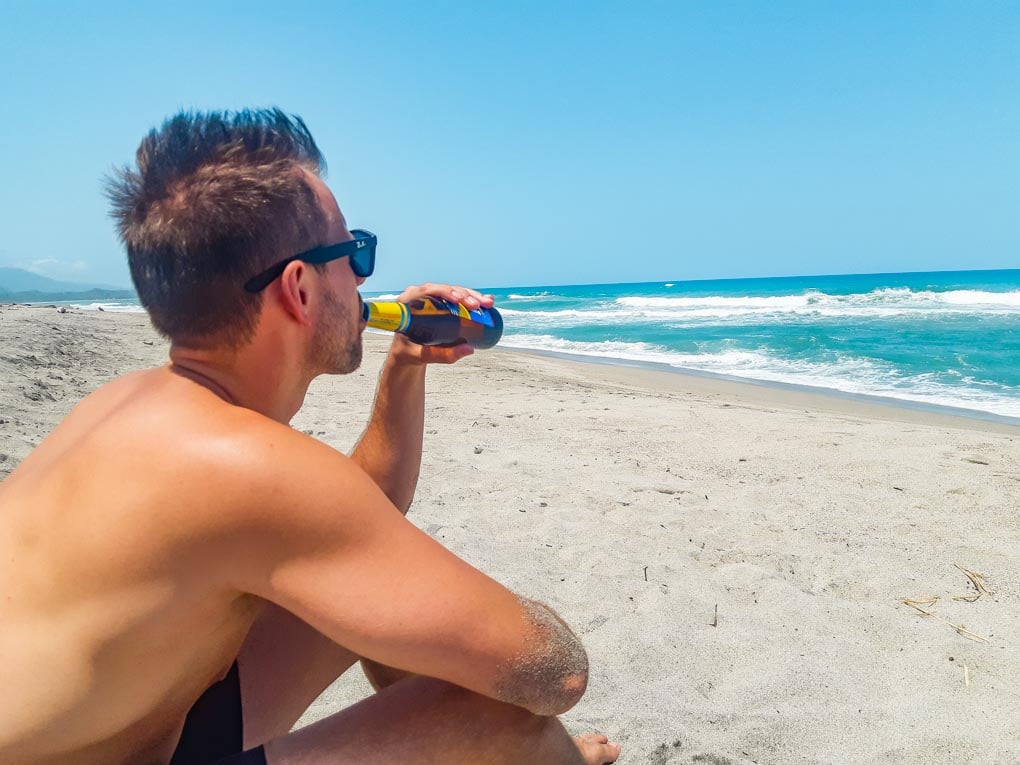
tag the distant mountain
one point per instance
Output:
(19, 284)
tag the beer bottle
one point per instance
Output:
(433, 321)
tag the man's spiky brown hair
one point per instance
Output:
(215, 198)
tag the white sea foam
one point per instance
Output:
(848, 375)
(111, 307)
(713, 302)
(531, 296)
(886, 298)
(581, 314)
(883, 303)
(977, 297)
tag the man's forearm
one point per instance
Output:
(390, 448)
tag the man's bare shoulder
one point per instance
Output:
(277, 497)
(244, 468)
(193, 461)
(284, 483)
(263, 464)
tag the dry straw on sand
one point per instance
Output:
(979, 586)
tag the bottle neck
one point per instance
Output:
(388, 316)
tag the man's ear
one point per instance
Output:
(295, 283)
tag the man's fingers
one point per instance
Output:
(435, 355)
(466, 294)
(453, 293)
(402, 347)
(468, 297)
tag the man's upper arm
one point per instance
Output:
(320, 539)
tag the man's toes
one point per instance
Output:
(597, 749)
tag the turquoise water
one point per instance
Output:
(949, 338)
(942, 338)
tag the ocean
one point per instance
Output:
(943, 339)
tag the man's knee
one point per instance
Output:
(380, 676)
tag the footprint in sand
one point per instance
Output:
(665, 753)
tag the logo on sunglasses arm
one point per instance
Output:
(361, 244)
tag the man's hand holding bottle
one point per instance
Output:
(444, 333)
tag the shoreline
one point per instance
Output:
(790, 395)
(665, 377)
(774, 392)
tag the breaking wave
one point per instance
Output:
(846, 374)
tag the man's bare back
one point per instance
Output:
(174, 528)
(114, 619)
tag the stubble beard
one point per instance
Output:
(337, 343)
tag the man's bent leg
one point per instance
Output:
(422, 720)
(284, 664)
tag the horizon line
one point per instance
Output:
(93, 285)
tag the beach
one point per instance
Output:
(735, 557)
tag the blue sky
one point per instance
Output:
(550, 142)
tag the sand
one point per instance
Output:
(734, 557)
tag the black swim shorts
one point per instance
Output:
(212, 732)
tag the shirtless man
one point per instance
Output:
(182, 573)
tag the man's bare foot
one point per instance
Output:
(596, 749)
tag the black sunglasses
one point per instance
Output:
(361, 250)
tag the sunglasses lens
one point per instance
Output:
(363, 260)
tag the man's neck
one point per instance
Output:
(269, 384)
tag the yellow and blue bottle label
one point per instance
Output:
(479, 315)
(390, 317)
